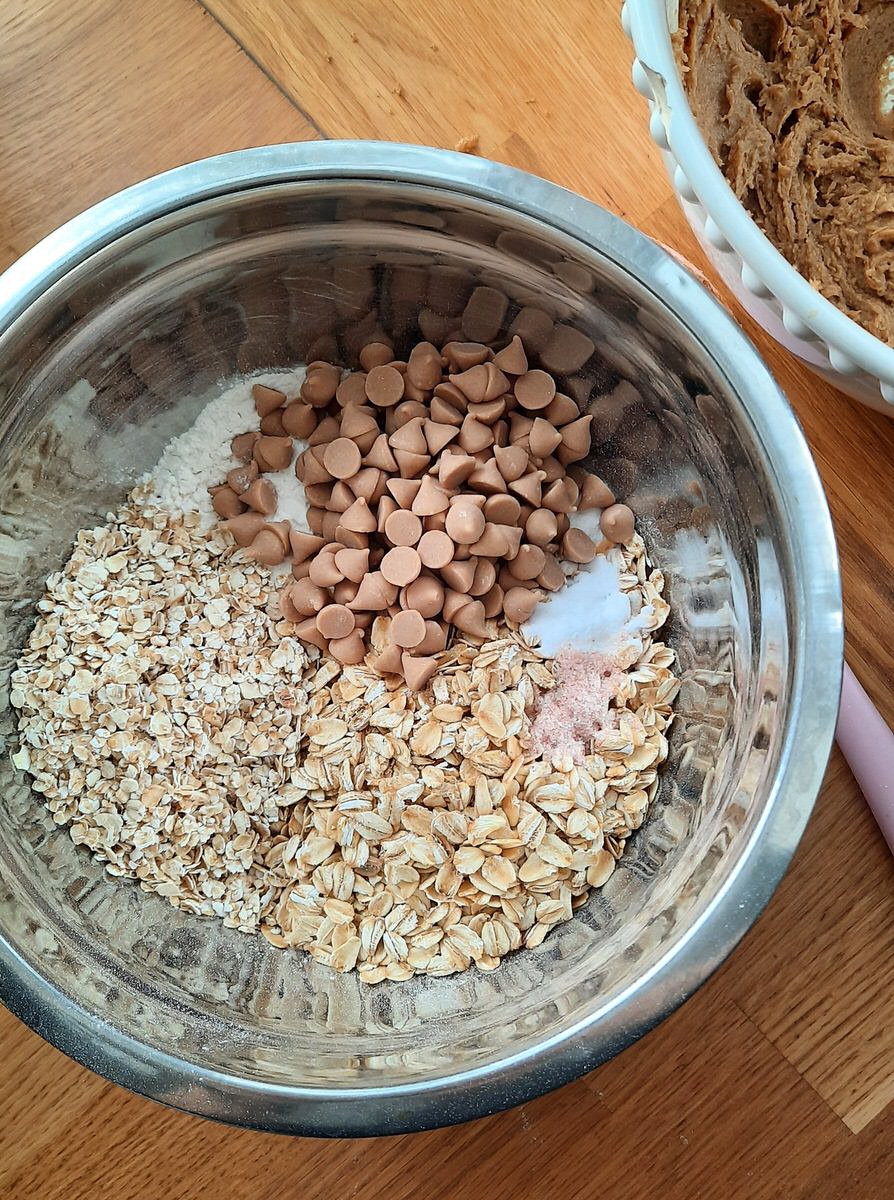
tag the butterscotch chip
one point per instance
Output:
(534, 327)
(342, 458)
(309, 633)
(359, 517)
(472, 383)
(245, 527)
(484, 578)
(344, 591)
(566, 350)
(513, 536)
(384, 386)
(463, 355)
(360, 426)
(594, 493)
(616, 522)
(409, 410)
(403, 528)
(417, 671)
(389, 661)
(437, 436)
(335, 621)
(411, 464)
(368, 484)
(408, 628)
(512, 358)
(320, 384)
(541, 527)
(243, 445)
(502, 509)
(561, 410)
(410, 436)
(575, 440)
(471, 619)
(491, 544)
(353, 564)
(519, 603)
(529, 487)
(318, 494)
(309, 468)
(225, 502)
(299, 420)
(475, 436)
(552, 470)
(578, 547)
(287, 609)
(435, 638)
(401, 565)
(424, 366)
(323, 571)
(386, 506)
(375, 593)
(376, 354)
(352, 539)
(327, 431)
(561, 496)
(512, 462)
(315, 520)
(348, 650)
(352, 390)
(493, 602)
(552, 577)
(261, 497)
(488, 412)
(404, 490)
(340, 497)
(535, 390)
(241, 478)
(273, 453)
(426, 595)
(272, 424)
(308, 597)
(520, 428)
(543, 438)
(487, 480)
(266, 399)
(465, 523)
(430, 499)
(266, 548)
(455, 469)
(436, 549)
(528, 563)
(453, 602)
(330, 527)
(379, 455)
(444, 413)
(459, 574)
(497, 383)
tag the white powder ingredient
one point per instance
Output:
(200, 457)
(590, 613)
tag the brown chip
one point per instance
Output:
(436, 549)
(376, 354)
(616, 522)
(534, 390)
(272, 425)
(403, 528)
(389, 661)
(273, 453)
(561, 496)
(368, 484)
(261, 497)
(384, 386)
(418, 671)
(408, 628)
(512, 358)
(335, 621)
(226, 503)
(575, 440)
(243, 445)
(492, 543)
(401, 565)
(327, 431)
(299, 420)
(528, 563)
(266, 399)
(512, 462)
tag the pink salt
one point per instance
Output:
(578, 706)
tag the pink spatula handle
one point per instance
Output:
(868, 745)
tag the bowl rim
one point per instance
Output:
(649, 25)
(815, 671)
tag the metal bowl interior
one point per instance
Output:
(116, 331)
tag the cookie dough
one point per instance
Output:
(796, 102)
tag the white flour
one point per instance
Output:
(590, 613)
(201, 457)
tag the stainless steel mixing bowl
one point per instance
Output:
(111, 331)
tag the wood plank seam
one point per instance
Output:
(314, 124)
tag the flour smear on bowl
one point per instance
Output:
(367, 665)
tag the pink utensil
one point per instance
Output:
(868, 745)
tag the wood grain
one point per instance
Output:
(776, 1079)
(98, 95)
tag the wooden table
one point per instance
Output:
(774, 1081)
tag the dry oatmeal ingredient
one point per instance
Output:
(191, 741)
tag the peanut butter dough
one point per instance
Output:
(796, 103)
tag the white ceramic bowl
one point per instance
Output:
(766, 284)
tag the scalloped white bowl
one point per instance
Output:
(765, 283)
